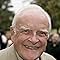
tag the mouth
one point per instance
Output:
(31, 47)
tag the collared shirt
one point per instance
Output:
(19, 58)
(44, 56)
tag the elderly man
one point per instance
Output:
(29, 33)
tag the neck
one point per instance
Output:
(35, 59)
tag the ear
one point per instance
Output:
(11, 30)
(48, 36)
(12, 33)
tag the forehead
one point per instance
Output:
(33, 18)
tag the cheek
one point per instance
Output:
(19, 38)
(43, 41)
(44, 44)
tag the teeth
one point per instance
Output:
(31, 47)
(27, 46)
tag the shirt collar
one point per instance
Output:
(19, 58)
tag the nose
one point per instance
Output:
(33, 38)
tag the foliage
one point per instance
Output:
(5, 15)
(53, 8)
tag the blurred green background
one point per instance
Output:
(6, 16)
(51, 6)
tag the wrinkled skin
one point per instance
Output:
(30, 45)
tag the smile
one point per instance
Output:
(31, 47)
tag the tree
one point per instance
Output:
(5, 15)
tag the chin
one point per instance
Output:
(30, 56)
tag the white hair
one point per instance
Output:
(33, 6)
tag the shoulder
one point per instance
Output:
(46, 56)
(3, 53)
(7, 54)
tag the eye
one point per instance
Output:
(41, 33)
(27, 31)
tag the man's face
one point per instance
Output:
(30, 39)
(55, 38)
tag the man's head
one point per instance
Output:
(29, 31)
(55, 38)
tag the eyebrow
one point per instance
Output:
(25, 28)
(44, 30)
